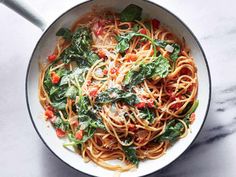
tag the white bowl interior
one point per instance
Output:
(46, 46)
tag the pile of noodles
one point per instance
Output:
(180, 82)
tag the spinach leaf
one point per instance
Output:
(71, 92)
(60, 123)
(65, 33)
(123, 42)
(76, 75)
(175, 54)
(55, 93)
(88, 119)
(114, 94)
(91, 57)
(148, 114)
(162, 43)
(159, 67)
(131, 13)
(173, 130)
(131, 155)
(89, 122)
(59, 105)
(87, 135)
(136, 27)
(80, 48)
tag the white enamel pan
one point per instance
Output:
(45, 46)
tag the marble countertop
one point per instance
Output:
(212, 155)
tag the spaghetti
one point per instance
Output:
(119, 88)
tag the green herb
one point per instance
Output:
(131, 155)
(65, 33)
(71, 92)
(147, 114)
(123, 41)
(76, 76)
(159, 67)
(175, 54)
(162, 43)
(80, 48)
(60, 123)
(174, 129)
(136, 27)
(89, 121)
(59, 105)
(114, 94)
(131, 13)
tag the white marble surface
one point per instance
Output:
(212, 155)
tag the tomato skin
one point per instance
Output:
(60, 133)
(140, 105)
(75, 124)
(98, 28)
(79, 135)
(93, 92)
(52, 57)
(49, 114)
(143, 31)
(55, 78)
(131, 57)
(131, 127)
(150, 104)
(155, 23)
(101, 54)
(113, 71)
(89, 82)
(105, 71)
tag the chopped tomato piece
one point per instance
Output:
(50, 108)
(143, 31)
(89, 82)
(131, 57)
(93, 92)
(152, 52)
(60, 133)
(49, 114)
(99, 31)
(52, 57)
(155, 23)
(140, 105)
(113, 71)
(131, 127)
(150, 104)
(75, 124)
(101, 54)
(54, 77)
(79, 135)
(105, 71)
(97, 28)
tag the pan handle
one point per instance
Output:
(25, 10)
